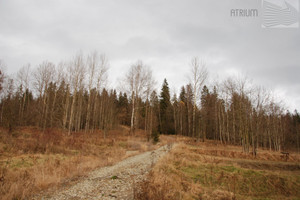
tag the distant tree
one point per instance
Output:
(154, 114)
(123, 109)
(205, 111)
(233, 112)
(148, 109)
(43, 76)
(175, 106)
(1, 80)
(189, 109)
(296, 120)
(198, 76)
(166, 114)
(2, 75)
(182, 111)
(77, 75)
(97, 73)
(23, 79)
(136, 79)
(10, 110)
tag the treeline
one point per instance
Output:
(73, 96)
(237, 117)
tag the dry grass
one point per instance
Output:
(32, 161)
(213, 171)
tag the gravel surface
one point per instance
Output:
(113, 182)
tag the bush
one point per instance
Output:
(155, 137)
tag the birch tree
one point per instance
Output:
(97, 75)
(43, 75)
(199, 75)
(136, 80)
(23, 78)
(77, 72)
(2, 95)
(149, 88)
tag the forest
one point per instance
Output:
(74, 96)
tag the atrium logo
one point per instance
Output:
(280, 14)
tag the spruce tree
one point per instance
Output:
(166, 115)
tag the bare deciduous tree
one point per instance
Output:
(97, 74)
(149, 88)
(23, 78)
(199, 75)
(42, 77)
(136, 79)
(2, 81)
(77, 72)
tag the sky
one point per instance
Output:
(164, 34)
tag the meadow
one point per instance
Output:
(32, 161)
(210, 170)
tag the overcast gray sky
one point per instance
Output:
(164, 34)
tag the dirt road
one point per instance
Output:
(113, 182)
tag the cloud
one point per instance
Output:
(164, 34)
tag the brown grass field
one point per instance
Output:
(210, 170)
(32, 161)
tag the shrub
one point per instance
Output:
(155, 136)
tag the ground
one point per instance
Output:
(212, 170)
(55, 165)
(113, 182)
(32, 160)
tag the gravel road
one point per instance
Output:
(113, 182)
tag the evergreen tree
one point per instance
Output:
(154, 117)
(166, 116)
(1, 80)
(123, 109)
(205, 109)
(175, 109)
(182, 96)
